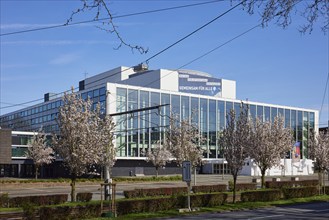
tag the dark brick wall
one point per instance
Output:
(5, 146)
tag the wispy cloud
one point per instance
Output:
(24, 26)
(57, 42)
(65, 59)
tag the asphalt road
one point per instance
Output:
(318, 211)
(35, 189)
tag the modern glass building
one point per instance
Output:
(187, 93)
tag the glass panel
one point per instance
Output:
(221, 115)
(121, 102)
(204, 122)
(165, 111)
(175, 105)
(287, 118)
(267, 113)
(121, 144)
(252, 110)
(294, 123)
(102, 91)
(212, 129)
(274, 113)
(281, 112)
(229, 106)
(185, 107)
(260, 112)
(195, 110)
(144, 120)
(155, 119)
(96, 93)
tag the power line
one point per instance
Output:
(193, 32)
(146, 61)
(114, 17)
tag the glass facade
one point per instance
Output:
(208, 113)
(137, 132)
(44, 115)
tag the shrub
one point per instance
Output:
(70, 212)
(209, 188)
(299, 192)
(243, 186)
(289, 184)
(166, 203)
(4, 200)
(29, 211)
(154, 192)
(84, 197)
(261, 195)
(38, 200)
(208, 200)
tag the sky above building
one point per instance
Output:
(269, 64)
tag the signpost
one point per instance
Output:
(187, 178)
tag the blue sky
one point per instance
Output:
(270, 64)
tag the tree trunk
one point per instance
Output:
(107, 180)
(36, 171)
(320, 181)
(73, 181)
(234, 186)
(263, 177)
(194, 169)
(156, 172)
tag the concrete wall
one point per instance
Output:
(5, 146)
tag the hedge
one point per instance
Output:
(84, 196)
(243, 186)
(209, 188)
(299, 192)
(289, 184)
(70, 212)
(261, 195)
(137, 193)
(166, 203)
(33, 200)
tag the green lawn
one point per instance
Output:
(222, 208)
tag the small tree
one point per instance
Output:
(233, 141)
(104, 133)
(269, 142)
(183, 141)
(39, 152)
(77, 143)
(158, 156)
(319, 152)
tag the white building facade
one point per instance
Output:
(187, 93)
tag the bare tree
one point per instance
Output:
(233, 140)
(100, 7)
(269, 142)
(281, 11)
(183, 140)
(158, 156)
(319, 152)
(39, 152)
(76, 144)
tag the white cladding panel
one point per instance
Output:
(169, 80)
(228, 89)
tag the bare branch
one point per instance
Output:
(99, 6)
(281, 10)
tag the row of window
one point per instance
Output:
(19, 120)
(144, 129)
